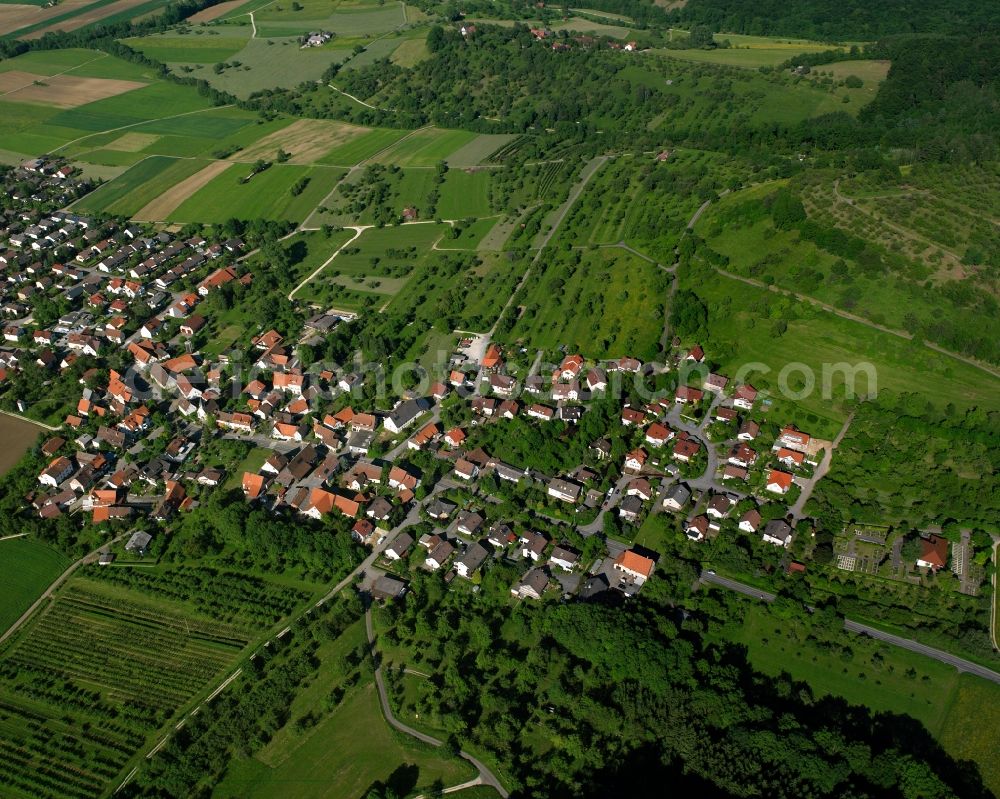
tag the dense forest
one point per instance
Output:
(635, 701)
(840, 19)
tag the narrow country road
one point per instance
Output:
(863, 629)
(809, 485)
(486, 777)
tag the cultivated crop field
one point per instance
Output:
(380, 262)
(91, 676)
(29, 568)
(268, 195)
(426, 147)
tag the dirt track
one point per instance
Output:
(161, 208)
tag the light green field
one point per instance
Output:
(201, 45)
(411, 52)
(426, 147)
(970, 728)
(29, 567)
(272, 60)
(612, 302)
(961, 711)
(478, 150)
(362, 148)
(139, 185)
(375, 51)
(387, 258)
(369, 21)
(818, 337)
(464, 194)
(266, 196)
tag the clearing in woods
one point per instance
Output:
(164, 205)
(307, 140)
(61, 91)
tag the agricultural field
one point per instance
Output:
(29, 20)
(90, 678)
(263, 63)
(347, 749)
(891, 258)
(360, 149)
(479, 150)
(29, 568)
(425, 147)
(198, 45)
(140, 185)
(596, 301)
(750, 52)
(271, 194)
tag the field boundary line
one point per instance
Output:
(351, 171)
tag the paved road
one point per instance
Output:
(808, 485)
(90, 557)
(609, 503)
(486, 777)
(863, 629)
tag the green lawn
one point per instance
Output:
(426, 147)
(815, 337)
(609, 305)
(479, 149)
(200, 46)
(29, 568)
(960, 710)
(971, 728)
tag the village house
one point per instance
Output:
(634, 567)
(677, 497)
(565, 559)
(750, 521)
(697, 528)
(778, 482)
(397, 549)
(564, 490)
(778, 532)
(473, 558)
(933, 553)
(532, 585)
